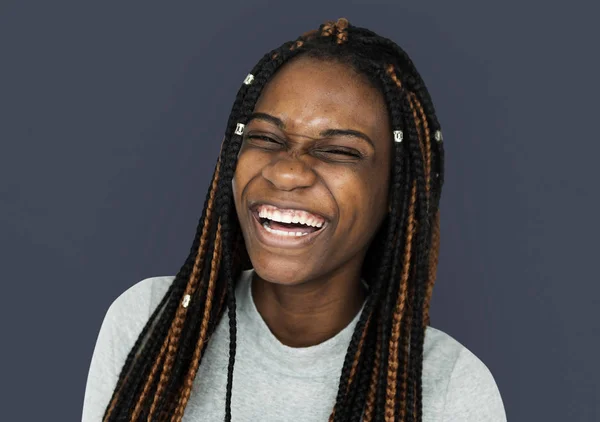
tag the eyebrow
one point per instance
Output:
(326, 133)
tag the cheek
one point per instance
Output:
(240, 179)
(362, 199)
(243, 170)
(249, 165)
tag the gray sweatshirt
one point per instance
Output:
(273, 382)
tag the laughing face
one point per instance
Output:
(312, 178)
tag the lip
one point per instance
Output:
(274, 240)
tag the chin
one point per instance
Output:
(280, 271)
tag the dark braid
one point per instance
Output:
(382, 369)
(396, 181)
(383, 275)
(191, 332)
(225, 200)
(363, 380)
(391, 96)
(412, 145)
(136, 356)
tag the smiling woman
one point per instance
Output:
(320, 236)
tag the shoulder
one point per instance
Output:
(464, 385)
(128, 314)
(122, 325)
(140, 300)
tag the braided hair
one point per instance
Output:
(381, 375)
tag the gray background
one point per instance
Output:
(112, 117)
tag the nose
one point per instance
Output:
(289, 173)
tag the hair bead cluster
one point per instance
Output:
(381, 374)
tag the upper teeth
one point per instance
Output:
(290, 216)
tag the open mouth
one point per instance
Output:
(288, 222)
(287, 229)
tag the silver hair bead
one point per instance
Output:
(186, 301)
(438, 136)
(249, 79)
(239, 130)
(398, 135)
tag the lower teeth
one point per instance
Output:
(281, 232)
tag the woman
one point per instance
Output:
(319, 237)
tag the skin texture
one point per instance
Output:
(308, 294)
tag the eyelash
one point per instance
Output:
(331, 151)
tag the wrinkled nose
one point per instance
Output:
(289, 174)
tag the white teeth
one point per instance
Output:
(290, 216)
(283, 233)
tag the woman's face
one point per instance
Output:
(311, 183)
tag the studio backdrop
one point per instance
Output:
(112, 115)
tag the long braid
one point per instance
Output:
(190, 335)
(359, 397)
(398, 211)
(424, 136)
(416, 363)
(359, 351)
(133, 354)
(355, 363)
(200, 289)
(415, 359)
(371, 395)
(339, 30)
(225, 200)
(176, 328)
(387, 261)
(422, 274)
(381, 374)
(137, 362)
(414, 137)
(170, 345)
(393, 99)
(178, 415)
(141, 361)
(434, 248)
(402, 397)
(398, 316)
(433, 262)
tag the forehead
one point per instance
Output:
(309, 93)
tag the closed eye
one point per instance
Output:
(343, 152)
(340, 154)
(262, 138)
(264, 142)
(333, 153)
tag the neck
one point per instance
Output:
(309, 313)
